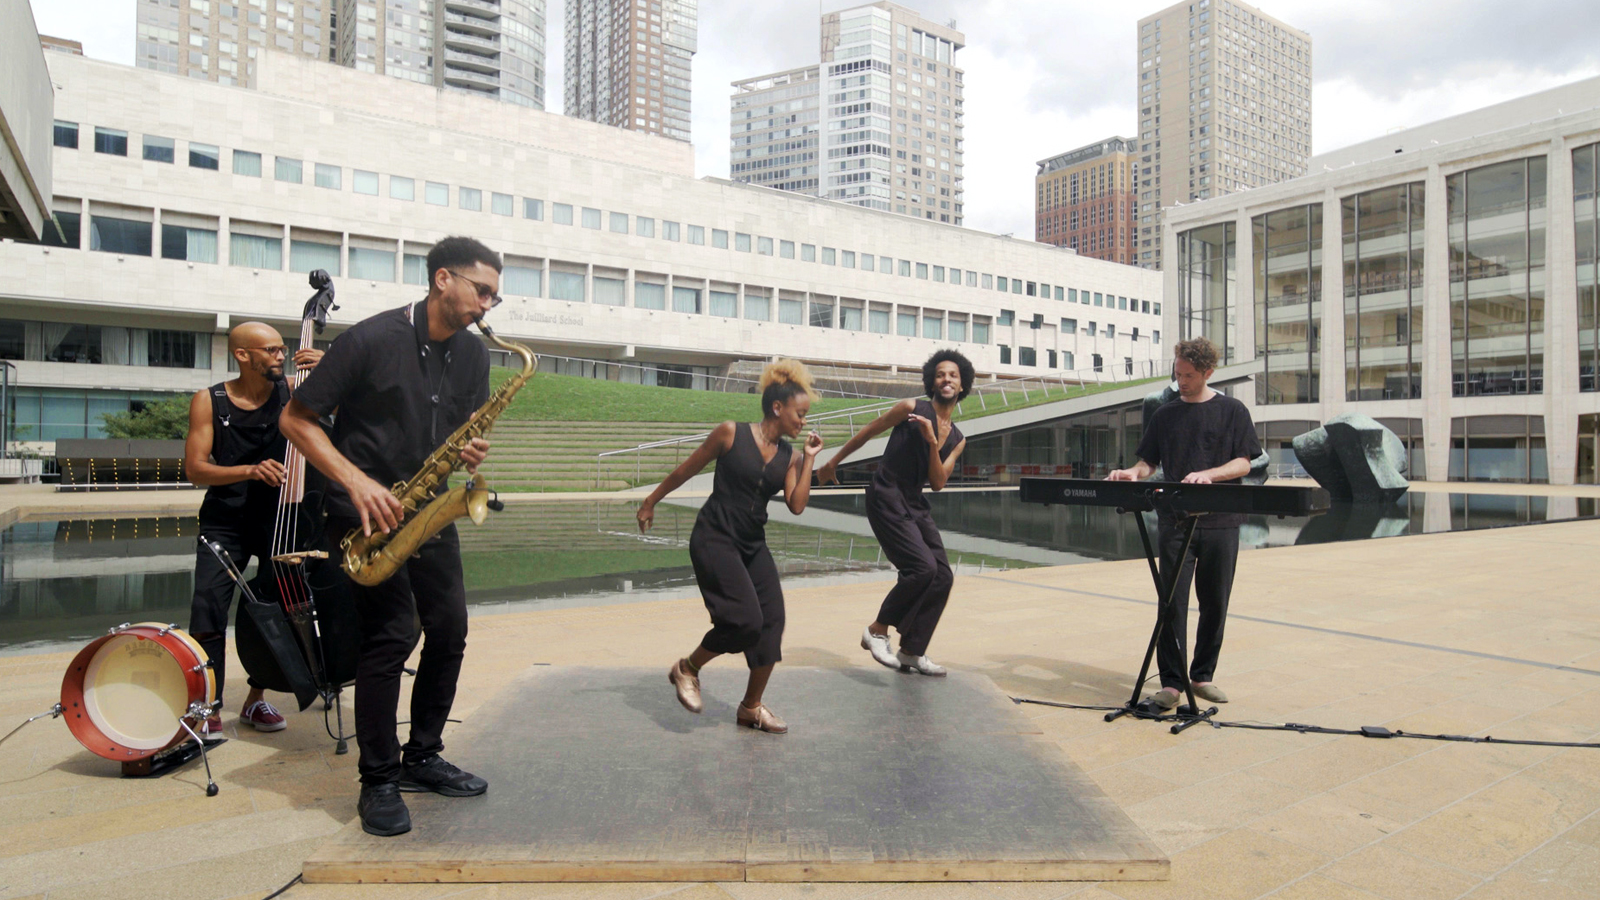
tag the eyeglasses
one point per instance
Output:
(484, 291)
(274, 350)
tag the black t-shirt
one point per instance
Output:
(398, 394)
(1185, 437)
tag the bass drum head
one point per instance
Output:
(124, 693)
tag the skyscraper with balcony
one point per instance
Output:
(886, 131)
(492, 48)
(1224, 105)
(628, 63)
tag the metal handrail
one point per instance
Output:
(1141, 370)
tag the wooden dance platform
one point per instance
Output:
(599, 775)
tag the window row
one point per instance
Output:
(104, 344)
(332, 177)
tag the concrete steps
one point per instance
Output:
(562, 456)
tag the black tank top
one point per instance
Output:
(244, 437)
(741, 487)
(904, 465)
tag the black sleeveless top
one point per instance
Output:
(244, 437)
(904, 465)
(741, 487)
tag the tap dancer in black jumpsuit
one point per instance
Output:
(899, 514)
(728, 546)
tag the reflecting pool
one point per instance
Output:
(70, 580)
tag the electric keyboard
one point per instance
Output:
(1192, 499)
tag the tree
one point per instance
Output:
(163, 419)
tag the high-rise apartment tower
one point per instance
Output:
(1084, 199)
(492, 48)
(877, 124)
(1224, 105)
(628, 63)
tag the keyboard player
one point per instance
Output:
(1207, 438)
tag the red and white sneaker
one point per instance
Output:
(262, 717)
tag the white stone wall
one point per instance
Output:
(25, 122)
(321, 113)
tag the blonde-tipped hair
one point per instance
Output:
(784, 379)
(787, 371)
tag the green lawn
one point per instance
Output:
(569, 398)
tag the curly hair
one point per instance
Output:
(782, 380)
(1197, 352)
(931, 369)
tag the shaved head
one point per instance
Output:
(253, 334)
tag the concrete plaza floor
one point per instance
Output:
(1491, 632)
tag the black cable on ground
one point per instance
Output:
(1369, 731)
(292, 882)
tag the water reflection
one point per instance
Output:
(70, 580)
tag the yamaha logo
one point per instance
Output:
(1080, 492)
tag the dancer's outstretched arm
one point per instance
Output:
(886, 420)
(716, 443)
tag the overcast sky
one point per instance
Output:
(1046, 76)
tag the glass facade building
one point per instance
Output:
(1586, 229)
(1207, 288)
(1383, 292)
(1497, 283)
(1288, 303)
(1469, 286)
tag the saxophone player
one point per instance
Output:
(402, 381)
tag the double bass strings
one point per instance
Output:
(293, 591)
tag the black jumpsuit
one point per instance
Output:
(903, 525)
(728, 548)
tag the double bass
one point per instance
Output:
(296, 629)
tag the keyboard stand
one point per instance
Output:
(1166, 597)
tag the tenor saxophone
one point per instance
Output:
(372, 559)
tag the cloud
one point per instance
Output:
(105, 27)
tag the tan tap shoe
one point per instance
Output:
(761, 719)
(688, 686)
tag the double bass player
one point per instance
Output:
(234, 450)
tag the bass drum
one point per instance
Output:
(124, 694)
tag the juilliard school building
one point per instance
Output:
(182, 207)
(1441, 280)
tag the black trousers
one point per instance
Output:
(1210, 566)
(426, 591)
(214, 588)
(911, 541)
(743, 595)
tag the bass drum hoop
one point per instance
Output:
(90, 723)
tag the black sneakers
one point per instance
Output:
(432, 773)
(382, 810)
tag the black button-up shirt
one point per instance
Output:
(398, 394)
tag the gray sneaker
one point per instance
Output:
(1210, 692)
(919, 664)
(1164, 699)
(878, 646)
